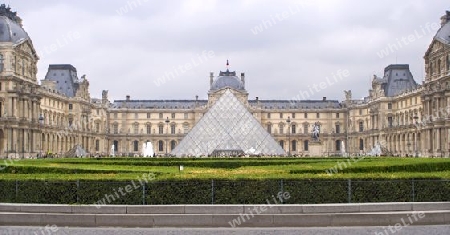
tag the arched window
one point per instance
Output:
(160, 146)
(173, 143)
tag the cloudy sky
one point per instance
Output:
(166, 49)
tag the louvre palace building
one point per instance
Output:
(57, 114)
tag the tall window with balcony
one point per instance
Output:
(148, 127)
(269, 128)
(1, 63)
(338, 128)
(136, 128)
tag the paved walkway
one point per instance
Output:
(410, 230)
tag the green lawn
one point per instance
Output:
(225, 168)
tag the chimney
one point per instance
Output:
(243, 78)
(324, 98)
(445, 18)
(128, 97)
(211, 79)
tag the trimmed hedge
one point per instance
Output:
(223, 191)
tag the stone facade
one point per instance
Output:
(53, 116)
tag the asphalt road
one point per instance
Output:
(411, 230)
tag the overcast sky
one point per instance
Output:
(286, 48)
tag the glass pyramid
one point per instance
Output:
(227, 129)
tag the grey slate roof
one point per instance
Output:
(297, 104)
(190, 104)
(65, 76)
(157, 104)
(397, 80)
(11, 31)
(227, 79)
(443, 34)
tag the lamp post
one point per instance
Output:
(41, 122)
(167, 131)
(289, 135)
(415, 136)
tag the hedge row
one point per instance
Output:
(223, 192)
(346, 167)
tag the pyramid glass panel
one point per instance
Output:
(228, 128)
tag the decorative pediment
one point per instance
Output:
(27, 47)
(434, 47)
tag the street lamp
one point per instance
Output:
(167, 131)
(289, 135)
(41, 122)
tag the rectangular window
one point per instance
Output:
(305, 145)
(186, 116)
(269, 128)
(135, 145)
(70, 106)
(160, 146)
(317, 115)
(161, 129)
(281, 115)
(337, 115)
(338, 128)
(97, 145)
(149, 129)
(161, 116)
(136, 129)
(305, 129)
(136, 116)
(268, 115)
(281, 129)
(172, 129)
(293, 128)
(305, 115)
(294, 145)
(115, 115)
(389, 105)
(116, 129)
(389, 122)
(361, 126)
(97, 127)
(173, 115)
(361, 144)
(293, 115)
(360, 112)
(149, 115)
